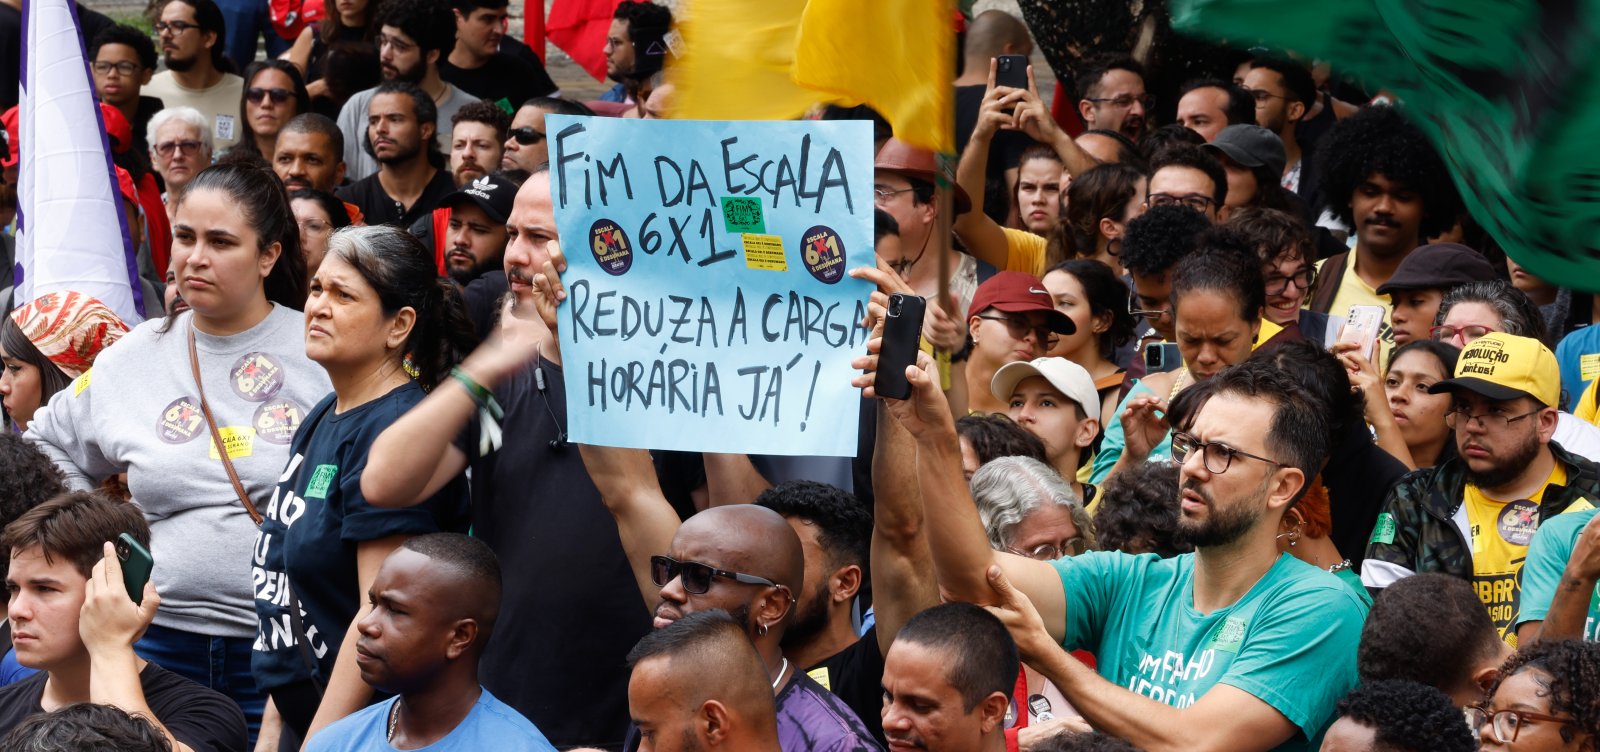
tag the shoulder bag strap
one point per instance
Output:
(216, 434)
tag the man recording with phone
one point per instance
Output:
(74, 619)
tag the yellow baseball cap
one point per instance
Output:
(1504, 366)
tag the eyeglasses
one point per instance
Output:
(1506, 723)
(124, 68)
(1124, 101)
(1216, 456)
(1278, 285)
(1460, 416)
(399, 45)
(1052, 551)
(176, 27)
(255, 94)
(525, 136)
(166, 148)
(1194, 201)
(1150, 314)
(1262, 95)
(1019, 328)
(882, 195)
(697, 576)
(1468, 333)
(315, 227)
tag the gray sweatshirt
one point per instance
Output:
(137, 411)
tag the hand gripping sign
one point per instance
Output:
(708, 308)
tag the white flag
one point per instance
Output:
(72, 232)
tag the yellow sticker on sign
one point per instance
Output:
(764, 252)
(79, 384)
(240, 441)
(1589, 366)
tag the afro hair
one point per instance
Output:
(1407, 716)
(1379, 139)
(1159, 237)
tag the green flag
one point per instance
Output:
(1508, 90)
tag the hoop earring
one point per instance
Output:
(761, 629)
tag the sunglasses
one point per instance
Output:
(526, 136)
(696, 576)
(255, 94)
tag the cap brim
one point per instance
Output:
(455, 199)
(1235, 153)
(1007, 378)
(1058, 321)
(1474, 384)
(962, 202)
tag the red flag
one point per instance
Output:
(579, 27)
(533, 27)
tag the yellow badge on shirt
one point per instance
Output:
(240, 441)
(820, 675)
(79, 384)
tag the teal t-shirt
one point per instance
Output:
(1112, 445)
(1547, 559)
(1290, 641)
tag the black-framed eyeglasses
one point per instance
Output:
(1215, 455)
(176, 27)
(1123, 101)
(124, 68)
(1139, 313)
(696, 576)
(882, 195)
(1019, 328)
(1505, 724)
(525, 135)
(1277, 285)
(1468, 333)
(1262, 95)
(255, 94)
(1195, 201)
(166, 148)
(1459, 416)
(1052, 551)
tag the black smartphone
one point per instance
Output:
(136, 565)
(902, 337)
(1012, 71)
(1160, 357)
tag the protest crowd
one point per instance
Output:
(1189, 407)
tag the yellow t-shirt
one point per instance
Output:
(1024, 252)
(1587, 409)
(1353, 290)
(1501, 531)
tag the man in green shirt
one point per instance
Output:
(1234, 647)
(1559, 598)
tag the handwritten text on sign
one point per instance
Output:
(708, 306)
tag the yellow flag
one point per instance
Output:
(738, 60)
(896, 55)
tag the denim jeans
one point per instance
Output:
(244, 22)
(221, 663)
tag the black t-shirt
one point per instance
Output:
(148, 107)
(503, 76)
(380, 209)
(855, 675)
(571, 605)
(1358, 477)
(1004, 151)
(203, 719)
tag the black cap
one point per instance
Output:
(493, 193)
(1438, 266)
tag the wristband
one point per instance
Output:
(489, 412)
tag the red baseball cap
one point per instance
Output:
(1017, 292)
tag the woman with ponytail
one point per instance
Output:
(387, 329)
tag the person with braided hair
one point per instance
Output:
(387, 329)
(1546, 699)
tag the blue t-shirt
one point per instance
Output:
(490, 725)
(1547, 559)
(1290, 641)
(11, 671)
(1578, 355)
(313, 525)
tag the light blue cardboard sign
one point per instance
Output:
(708, 308)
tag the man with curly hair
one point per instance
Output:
(1398, 716)
(1154, 243)
(1383, 179)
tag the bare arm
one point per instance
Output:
(346, 692)
(1225, 718)
(1364, 376)
(732, 479)
(626, 479)
(902, 567)
(982, 235)
(1569, 608)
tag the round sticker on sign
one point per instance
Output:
(822, 250)
(610, 247)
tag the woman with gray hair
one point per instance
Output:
(386, 328)
(180, 147)
(1029, 510)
